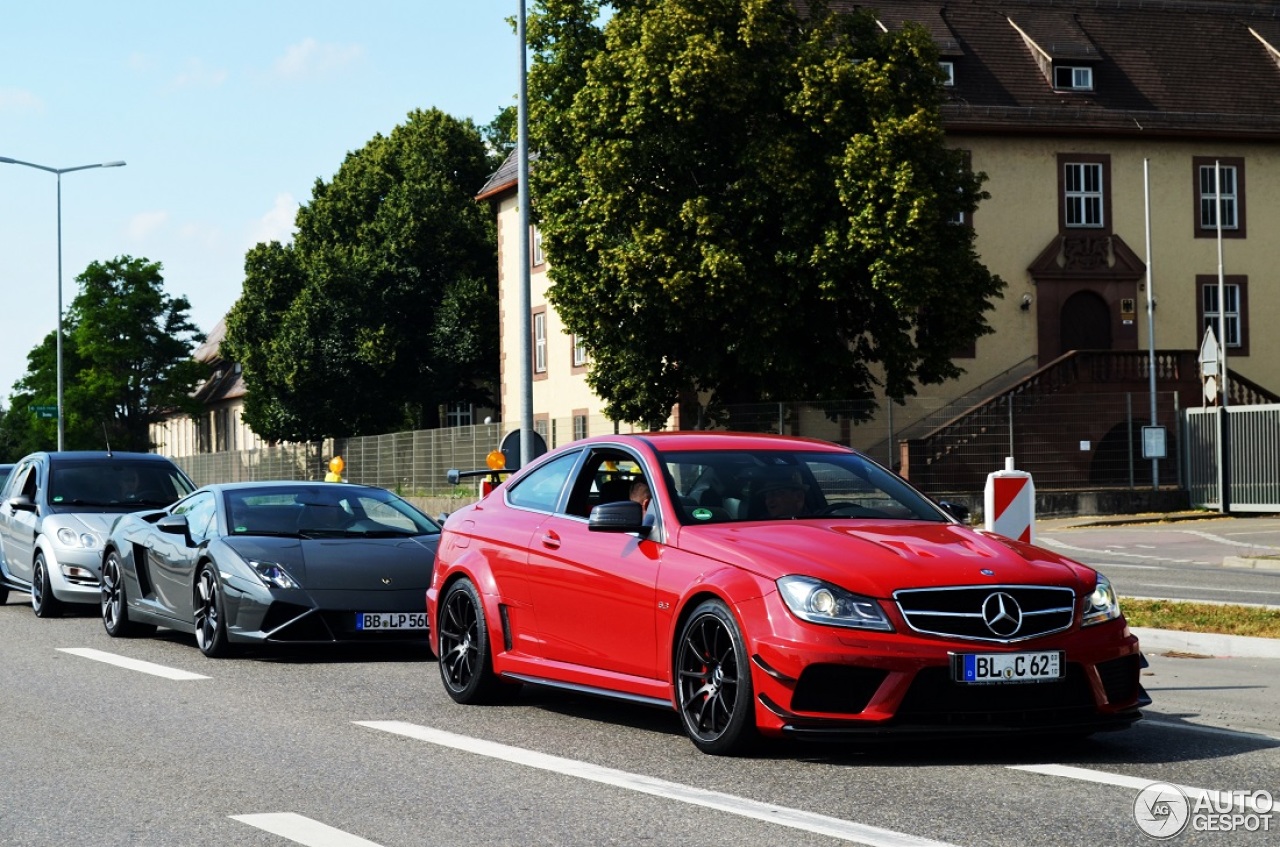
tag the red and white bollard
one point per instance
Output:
(1009, 504)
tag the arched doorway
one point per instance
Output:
(1084, 323)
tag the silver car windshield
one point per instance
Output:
(115, 483)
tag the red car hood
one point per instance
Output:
(876, 558)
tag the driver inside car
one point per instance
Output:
(783, 496)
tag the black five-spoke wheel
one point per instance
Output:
(466, 664)
(115, 608)
(713, 682)
(211, 628)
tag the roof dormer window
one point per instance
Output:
(1073, 77)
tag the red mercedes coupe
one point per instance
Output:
(768, 585)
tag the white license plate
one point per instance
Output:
(1007, 667)
(390, 620)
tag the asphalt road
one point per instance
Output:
(1176, 559)
(340, 748)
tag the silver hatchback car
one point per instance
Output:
(56, 510)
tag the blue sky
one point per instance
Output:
(226, 113)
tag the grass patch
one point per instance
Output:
(1202, 617)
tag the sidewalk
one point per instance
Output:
(1206, 644)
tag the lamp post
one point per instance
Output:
(59, 172)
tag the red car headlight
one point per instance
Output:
(821, 602)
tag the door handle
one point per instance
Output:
(551, 540)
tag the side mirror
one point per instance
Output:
(959, 511)
(622, 516)
(174, 525)
(20, 503)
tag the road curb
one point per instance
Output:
(1207, 644)
(1256, 562)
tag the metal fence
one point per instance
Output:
(1252, 466)
(1067, 441)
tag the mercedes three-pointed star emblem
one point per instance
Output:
(1002, 614)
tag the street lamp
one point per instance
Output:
(59, 172)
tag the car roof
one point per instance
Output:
(687, 440)
(285, 483)
(98, 455)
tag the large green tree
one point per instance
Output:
(740, 204)
(384, 306)
(126, 363)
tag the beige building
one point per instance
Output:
(1071, 109)
(220, 426)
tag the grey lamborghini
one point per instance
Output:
(272, 562)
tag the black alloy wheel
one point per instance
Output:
(211, 627)
(713, 682)
(43, 603)
(466, 664)
(115, 606)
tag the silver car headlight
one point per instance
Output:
(1102, 604)
(273, 575)
(68, 537)
(821, 602)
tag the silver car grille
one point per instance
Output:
(1000, 613)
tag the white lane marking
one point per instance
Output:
(1103, 778)
(1110, 551)
(1115, 565)
(781, 815)
(303, 830)
(131, 664)
(1220, 540)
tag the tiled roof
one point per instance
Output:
(1199, 68)
(504, 179)
(1159, 66)
(226, 381)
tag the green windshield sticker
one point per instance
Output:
(702, 514)
(57, 499)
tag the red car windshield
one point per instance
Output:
(741, 485)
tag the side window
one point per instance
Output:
(30, 485)
(16, 479)
(199, 511)
(607, 476)
(541, 489)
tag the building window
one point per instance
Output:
(459, 414)
(960, 217)
(580, 357)
(1230, 197)
(1082, 194)
(1235, 291)
(540, 341)
(535, 247)
(1073, 77)
(948, 73)
(579, 424)
(542, 426)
